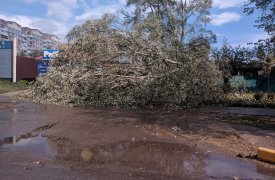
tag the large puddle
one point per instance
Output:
(26, 143)
(162, 158)
(114, 141)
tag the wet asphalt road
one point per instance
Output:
(52, 142)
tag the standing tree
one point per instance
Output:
(171, 23)
(265, 21)
(223, 58)
(266, 18)
(268, 64)
(231, 61)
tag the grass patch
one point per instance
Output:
(248, 100)
(7, 86)
(259, 122)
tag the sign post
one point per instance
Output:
(14, 70)
(43, 66)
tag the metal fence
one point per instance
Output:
(253, 84)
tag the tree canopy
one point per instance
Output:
(266, 19)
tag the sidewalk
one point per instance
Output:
(243, 111)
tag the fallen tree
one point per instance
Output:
(139, 64)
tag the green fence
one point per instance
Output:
(253, 84)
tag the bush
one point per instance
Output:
(270, 96)
(247, 100)
(258, 96)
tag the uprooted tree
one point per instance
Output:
(157, 56)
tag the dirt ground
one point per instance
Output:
(107, 143)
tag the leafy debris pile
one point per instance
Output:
(143, 61)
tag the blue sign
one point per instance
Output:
(6, 44)
(43, 67)
(48, 53)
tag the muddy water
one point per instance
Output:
(105, 144)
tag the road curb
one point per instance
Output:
(266, 154)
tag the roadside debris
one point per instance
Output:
(249, 156)
(45, 127)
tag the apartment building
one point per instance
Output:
(28, 40)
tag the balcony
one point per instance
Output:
(2, 37)
(4, 33)
(25, 48)
(24, 45)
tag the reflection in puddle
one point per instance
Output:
(27, 142)
(162, 158)
(6, 105)
(165, 159)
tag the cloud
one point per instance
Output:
(223, 18)
(244, 39)
(96, 12)
(62, 15)
(222, 4)
(97, 9)
(84, 4)
(62, 10)
(51, 27)
(44, 25)
(20, 19)
(65, 10)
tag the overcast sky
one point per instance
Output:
(59, 16)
